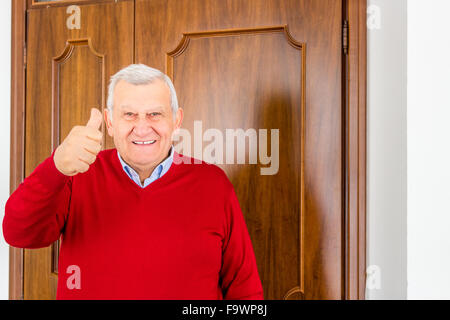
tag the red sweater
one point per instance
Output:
(182, 237)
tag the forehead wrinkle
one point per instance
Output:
(146, 109)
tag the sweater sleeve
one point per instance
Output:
(239, 274)
(36, 211)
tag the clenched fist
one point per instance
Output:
(81, 146)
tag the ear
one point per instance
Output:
(178, 118)
(108, 121)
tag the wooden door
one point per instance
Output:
(271, 65)
(253, 64)
(68, 69)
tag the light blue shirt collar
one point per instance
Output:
(157, 173)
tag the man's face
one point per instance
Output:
(142, 113)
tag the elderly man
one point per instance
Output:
(140, 221)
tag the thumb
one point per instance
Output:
(95, 121)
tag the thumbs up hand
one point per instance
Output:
(81, 146)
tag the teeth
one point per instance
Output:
(144, 142)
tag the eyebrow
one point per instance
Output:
(149, 109)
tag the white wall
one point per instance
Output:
(5, 87)
(418, 270)
(428, 149)
(386, 149)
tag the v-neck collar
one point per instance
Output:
(118, 166)
(159, 171)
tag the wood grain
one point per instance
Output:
(67, 74)
(254, 81)
(275, 219)
(17, 132)
(356, 151)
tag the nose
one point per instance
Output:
(142, 127)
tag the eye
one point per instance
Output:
(128, 114)
(154, 114)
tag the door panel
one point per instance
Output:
(265, 65)
(67, 74)
(247, 92)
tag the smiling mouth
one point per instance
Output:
(144, 142)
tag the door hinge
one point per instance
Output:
(25, 55)
(345, 37)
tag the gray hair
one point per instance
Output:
(140, 74)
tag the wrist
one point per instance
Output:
(57, 162)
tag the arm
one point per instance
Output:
(36, 211)
(239, 274)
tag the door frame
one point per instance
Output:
(354, 84)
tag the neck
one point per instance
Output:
(145, 173)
